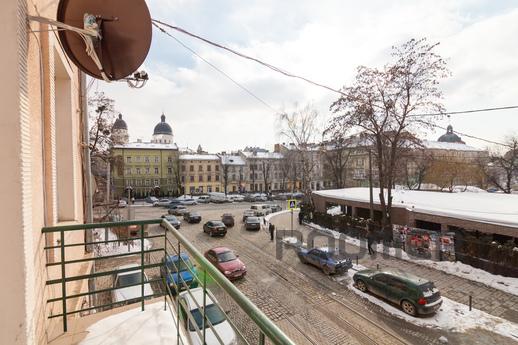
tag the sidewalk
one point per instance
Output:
(485, 298)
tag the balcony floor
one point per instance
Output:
(125, 325)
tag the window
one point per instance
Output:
(200, 178)
(182, 168)
(157, 159)
(183, 179)
(209, 189)
(191, 178)
(233, 177)
(146, 159)
(128, 159)
(138, 182)
(191, 167)
(169, 171)
(191, 189)
(209, 178)
(128, 171)
(169, 159)
(251, 176)
(200, 167)
(156, 170)
(208, 167)
(217, 167)
(217, 177)
(157, 182)
(233, 188)
(217, 189)
(138, 171)
(147, 182)
(147, 171)
(138, 158)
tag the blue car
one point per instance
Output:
(325, 259)
(179, 271)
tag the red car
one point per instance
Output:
(227, 262)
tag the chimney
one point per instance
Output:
(139, 140)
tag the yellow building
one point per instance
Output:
(145, 168)
(42, 140)
(200, 173)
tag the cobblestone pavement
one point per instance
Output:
(488, 299)
(310, 307)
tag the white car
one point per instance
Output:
(203, 199)
(162, 202)
(214, 314)
(126, 291)
(122, 203)
(188, 202)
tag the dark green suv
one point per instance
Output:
(415, 295)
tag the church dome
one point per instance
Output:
(450, 137)
(163, 127)
(119, 123)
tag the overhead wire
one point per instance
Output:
(447, 113)
(242, 87)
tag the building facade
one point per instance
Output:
(141, 168)
(42, 144)
(232, 173)
(200, 173)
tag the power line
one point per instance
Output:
(465, 111)
(217, 69)
(272, 67)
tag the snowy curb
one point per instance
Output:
(505, 284)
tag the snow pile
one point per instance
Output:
(452, 316)
(334, 211)
(134, 327)
(506, 284)
(271, 215)
(114, 248)
(290, 240)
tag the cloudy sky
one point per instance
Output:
(321, 40)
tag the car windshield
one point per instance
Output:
(179, 265)
(171, 219)
(129, 279)
(252, 220)
(194, 214)
(217, 224)
(226, 256)
(213, 313)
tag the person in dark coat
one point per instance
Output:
(272, 231)
(370, 241)
(301, 216)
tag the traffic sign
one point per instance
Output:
(292, 204)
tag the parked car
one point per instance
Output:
(189, 302)
(203, 199)
(228, 219)
(122, 203)
(252, 223)
(173, 220)
(262, 207)
(177, 210)
(275, 208)
(218, 198)
(260, 197)
(215, 227)
(172, 203)
(188, 202)
(179, 272)
(162, 202)
(236, 197)
(227, 262)
(128, 286)
(413, 294)
(151, 199)
(248, 213)
(326, 259)
(192, 217)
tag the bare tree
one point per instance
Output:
(336, 154)
(300, 128)
(101, 120)
(225, 177)
(381, 103)
(502, 169)
(265, 168)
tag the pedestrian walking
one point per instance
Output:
(370, 241)
(264, 221)
(301, 216)
(272, 231)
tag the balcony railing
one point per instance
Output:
(249, 323)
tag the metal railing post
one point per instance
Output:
(142, 265)
(204, 303)
(165, 270)
(178, 306)
(261, 338)
(63, 281)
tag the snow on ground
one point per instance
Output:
(506, 284)
(452, 316)
(290, 240)
(114, 248)
(334, 211)
(134, 327)
(268, 217)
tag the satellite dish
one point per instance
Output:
(125, 31)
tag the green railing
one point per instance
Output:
(174, 243)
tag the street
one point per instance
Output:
(309, 306)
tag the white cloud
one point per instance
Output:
(324, 41)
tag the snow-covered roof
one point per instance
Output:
(232, 160)
(439, 145)
(263, 155)
(492, 208)
(147, 146)
(197, 157)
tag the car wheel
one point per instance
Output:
(327, 270)
(408, 307)
(360, 284)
